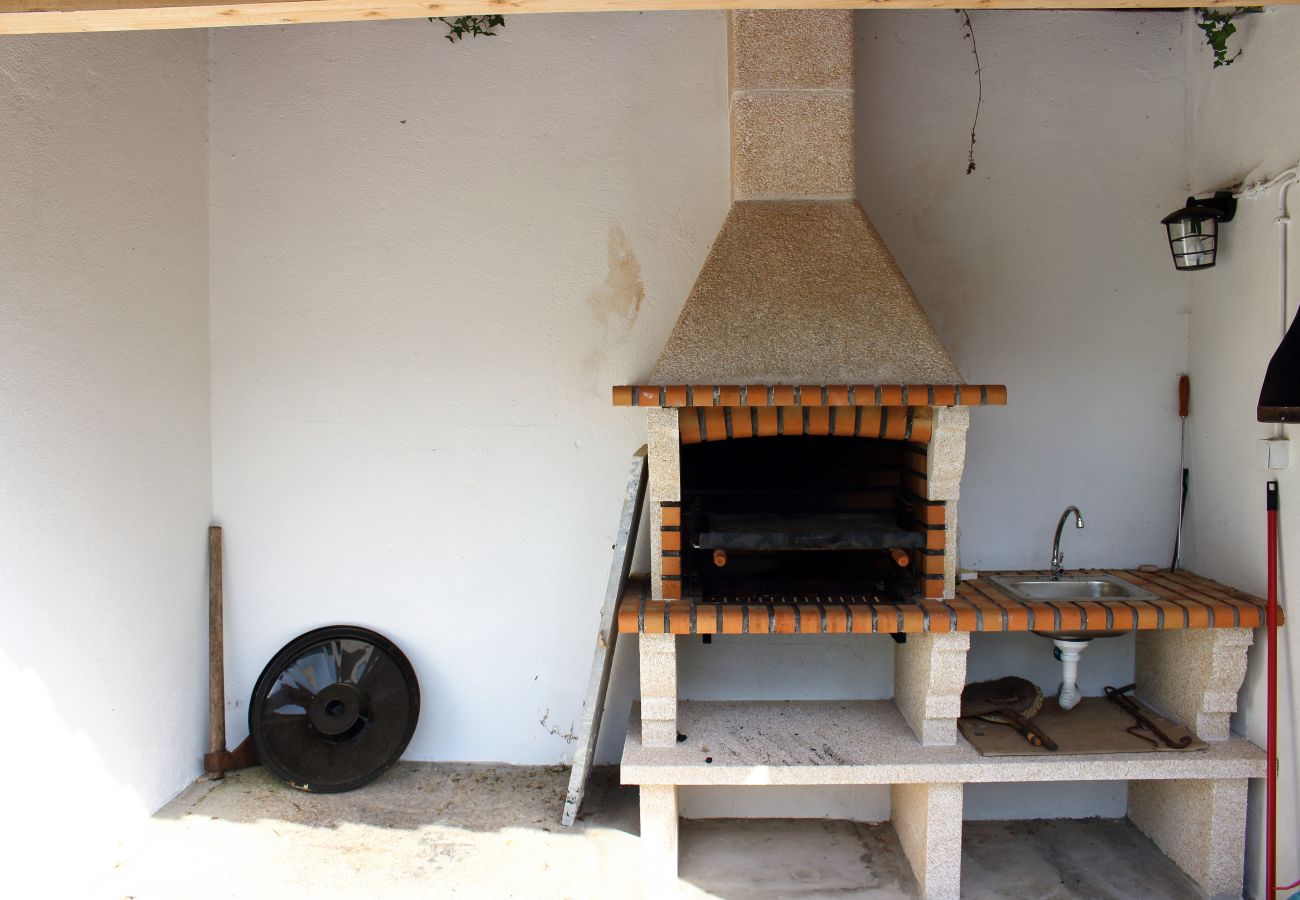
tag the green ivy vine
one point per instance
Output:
(1218, 27)
(461, 27)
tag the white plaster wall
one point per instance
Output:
(1245, 124)
(426, 265)
(104, 442)
(1043, 270)
(430, 263)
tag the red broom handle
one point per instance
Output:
(1270, 815)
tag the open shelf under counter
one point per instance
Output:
(829, 742)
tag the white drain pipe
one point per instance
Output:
(1068, 651)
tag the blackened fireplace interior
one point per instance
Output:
(798, 519)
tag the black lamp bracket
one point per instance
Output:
(1223, 201)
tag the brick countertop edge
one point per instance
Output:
(1185, 601)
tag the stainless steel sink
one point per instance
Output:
(1071, 588)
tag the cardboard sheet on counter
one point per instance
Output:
(1094, 726)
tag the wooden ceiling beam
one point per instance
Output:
(61, 16)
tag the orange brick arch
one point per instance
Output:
(717, 423)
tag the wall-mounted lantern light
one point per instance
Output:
(1194, 230)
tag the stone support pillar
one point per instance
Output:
(658, 840)
(1193, 676)
(929, 673)
(945, 462)
(927, 819)
(658, 690)
(1200, 825)
(664, 484)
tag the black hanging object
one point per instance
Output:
(334, 709)
(1279, 398)
(1193, 231)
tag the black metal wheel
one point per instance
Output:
(334, 709)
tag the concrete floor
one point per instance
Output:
(427, 830)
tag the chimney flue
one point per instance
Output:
(791, 78)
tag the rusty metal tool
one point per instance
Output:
(1117, 696)
(1184, 401)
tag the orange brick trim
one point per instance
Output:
(928, 512)
(705, 423)
(931, 563)
(978, 606)
(670, 548)
(915, 395)
(916, 458)
(915, 483)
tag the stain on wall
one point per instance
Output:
(618, 300)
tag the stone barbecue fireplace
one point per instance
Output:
(807, 427)
(807, 439)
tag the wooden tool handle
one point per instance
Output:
(1184, 395)
(719, 558)
(1031, 732)
(1019, 724)
(216, 655)
(900, 557)
(1042, 735)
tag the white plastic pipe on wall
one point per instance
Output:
(1284, 181)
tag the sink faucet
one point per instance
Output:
(1057, 558)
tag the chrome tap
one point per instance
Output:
(1057, 558)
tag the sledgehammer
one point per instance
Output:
(218, 760)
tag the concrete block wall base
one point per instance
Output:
(1200, 825)
(927, 818)
(929, 674)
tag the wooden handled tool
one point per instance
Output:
(1184, 403)
(1028, 729)
(216, 648)
(218, 760)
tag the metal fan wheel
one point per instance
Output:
(334, 709)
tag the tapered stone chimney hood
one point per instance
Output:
(798, 287)
(801, 326)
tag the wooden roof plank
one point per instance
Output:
(64, 16)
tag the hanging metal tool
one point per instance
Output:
(1184, 398)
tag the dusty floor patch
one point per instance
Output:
(431, 830)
